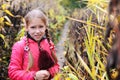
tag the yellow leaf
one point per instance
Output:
(66, 68)
(1, 19)
(57, 77)
(52, 13)
(2, 36)
(6, 17)
(8, 12)
(9, 24)
(4, 6)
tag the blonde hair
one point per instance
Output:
(35, 13)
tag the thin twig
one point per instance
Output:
(85, 22)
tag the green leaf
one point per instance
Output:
(72, 76)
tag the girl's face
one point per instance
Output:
(36, 28)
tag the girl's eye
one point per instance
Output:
(41, 26)
(32, 27)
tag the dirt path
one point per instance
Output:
(60, 45)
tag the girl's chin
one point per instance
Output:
(38, 39)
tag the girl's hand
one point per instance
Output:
(42, 75)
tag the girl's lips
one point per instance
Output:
(37, 36)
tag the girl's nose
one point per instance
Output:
(38, 30)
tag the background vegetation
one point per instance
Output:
(85, 52)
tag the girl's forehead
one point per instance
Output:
(36, 21)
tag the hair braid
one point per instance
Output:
(30, 56)
(47, 35)
(52, 52)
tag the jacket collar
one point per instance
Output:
(31, 40)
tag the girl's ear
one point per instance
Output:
(26, 27)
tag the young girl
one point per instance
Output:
(33, 56)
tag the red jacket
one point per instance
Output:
(19, 60)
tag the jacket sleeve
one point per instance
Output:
(55, 69)
(15, 69)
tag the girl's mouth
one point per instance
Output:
(37, 36)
